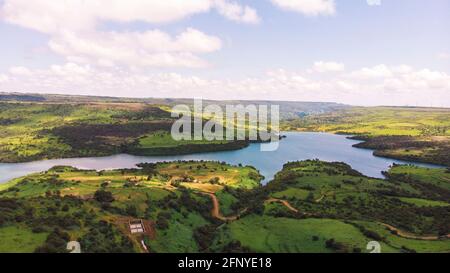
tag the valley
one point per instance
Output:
(221, 196)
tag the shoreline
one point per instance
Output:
(129, 161)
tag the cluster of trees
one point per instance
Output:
(188, 148)
(95, 139)
(9, 210)
(9, 121)
(103, 196)
(379, 204)
(336, 246)
(436, 152)
(204, 236)
(434, 130)
(427, 190)
(147, 113)
(56, 242)
(103, 237)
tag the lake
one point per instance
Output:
(297, 146)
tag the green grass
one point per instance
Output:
(379, 121)
(291, 193)
(398, 242)
(283, 235)
(338, 193)
(406, 133)
(333, 190)
(165, 140)
(226, 200)
(424, 202)
(24, 138)
(15, 239)
(439, 176)
(178, 237)
(232, 176)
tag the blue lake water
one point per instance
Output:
(297, 146)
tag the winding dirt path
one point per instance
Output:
(399, 232)
(321, 198)
(408, 235)
(215, 212)
(283, 202)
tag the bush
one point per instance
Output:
(56, 242)
(162, 221)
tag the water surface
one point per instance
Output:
(297, 146)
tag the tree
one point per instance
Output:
(56, 242)
(131, 211)
(310, 197)
(103, 196)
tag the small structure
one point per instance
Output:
(136, 226)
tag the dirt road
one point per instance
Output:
(284, 202)
(408, 235)
(215, 212)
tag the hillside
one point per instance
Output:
(42, 212)
(36, 131)
(408, 133)
(310, 206)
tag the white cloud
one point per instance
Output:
(443, 56)
(322, 67)
(51, 16)
(403, 85)
(378, 71)
(150, 48)
(236, 12)
(73, 28)
(19, 70)
(3, 78)
(307, 7)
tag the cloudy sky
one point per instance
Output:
(362, 52)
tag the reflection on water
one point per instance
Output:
(297, 146)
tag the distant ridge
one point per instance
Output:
(288, 109)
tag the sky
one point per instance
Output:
(359, 52)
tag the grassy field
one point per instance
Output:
(16, 239)
(438, 177)
(284, 235)
(379, 121)
(424, 202)
(178, 237)
(165, 140)
(398, 243)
